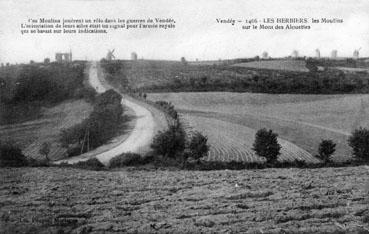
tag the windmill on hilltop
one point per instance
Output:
(295, 54)
(334, 54)
(356, 53)
(110, 56)
(317, 53)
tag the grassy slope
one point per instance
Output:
(30, 135)
(48, 200)
(301, 119)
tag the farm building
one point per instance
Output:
(63, 57)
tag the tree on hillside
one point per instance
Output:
(11, 155)
(183, 61)
(45, 150)
(326, 149)
(266, 145)
(311, 65)
(198, 146)
(169, 143)
(359, 142)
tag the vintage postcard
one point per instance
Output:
(184, 116)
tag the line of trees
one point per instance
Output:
(266, 145)
(102, 124)
(173, 144)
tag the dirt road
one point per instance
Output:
(141, 135)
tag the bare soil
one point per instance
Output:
(63, 200)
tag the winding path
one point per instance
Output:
(139, 138)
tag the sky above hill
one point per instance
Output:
(197, 34)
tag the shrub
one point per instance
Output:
(91, 164)
(359, 142)
(108, 97)
(86, 92)
(11, 155)
(126, 159)
(299, 163)
(75, 150)
(169, 143)
(326, 149)
(198, 146)
(37, 163)
(266, 145)
(168, 108)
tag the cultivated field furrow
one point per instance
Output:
(229, 149)
(56, 151)
(67, 200)
(233, 142)
(303, 120)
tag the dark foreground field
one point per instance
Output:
(63, 200)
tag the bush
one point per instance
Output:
(75, 150)
(266, 145)
(87, 92)
(299, 163)
(168, 108)
(38, 163)
(198, 146)
(359, 142)
(326, 149)
(169, 143)
(126, 159)
(91, 164)
(11, 155)
(108, 97)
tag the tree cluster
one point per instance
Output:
(102, 124)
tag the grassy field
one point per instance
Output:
(65, 200)
(30, 135)
(302, 120)
(287, 64)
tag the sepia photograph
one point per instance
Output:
(184, 116)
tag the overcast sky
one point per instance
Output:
(197, 35)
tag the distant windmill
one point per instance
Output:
(295, 54)
(110, 56)
(264, 55)
(356, 53)
(317, 53)
(334, 54)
